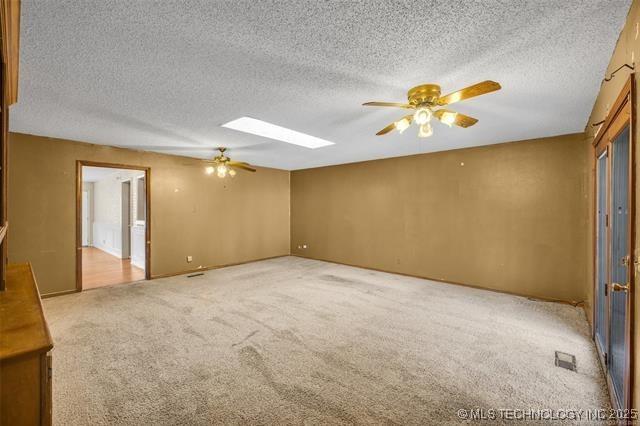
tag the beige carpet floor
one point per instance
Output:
(291, 341)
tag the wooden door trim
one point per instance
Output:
(602, 142)
(10, 39)
(147, 230)
(632, 237)
(604, 151)
(619, 103)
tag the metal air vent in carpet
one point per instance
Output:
(565, 360)
(195, 275)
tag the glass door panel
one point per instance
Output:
(619, 264)
(601, 252)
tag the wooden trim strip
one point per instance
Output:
(88, 163)
(78, 244)
(620, 102)
(147, 179)
(10, 39)
(477, 287)
(58, 293)
(616, 122)
(3, 231)
(208, 268)
(171, 274)
(632, 242)
(147, 224)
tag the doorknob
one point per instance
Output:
(619, 287)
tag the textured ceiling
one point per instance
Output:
(164, 75)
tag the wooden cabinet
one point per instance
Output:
(25, 345)
(25, 342)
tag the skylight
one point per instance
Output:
(271, 131)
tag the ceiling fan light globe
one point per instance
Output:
(425, 131)
(232, 173)
(402, 125)
(422, 116)
(449, 118)
(209, 170)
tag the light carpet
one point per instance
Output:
(290, 341)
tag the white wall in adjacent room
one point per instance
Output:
(107, 215)
(87, 215)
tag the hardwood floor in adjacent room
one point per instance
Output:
(100, 269)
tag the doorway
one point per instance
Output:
(112, 224)
(614, 247)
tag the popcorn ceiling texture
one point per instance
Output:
(163, 75)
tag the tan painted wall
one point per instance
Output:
(216, 221)
(511, 219)
(627, 51)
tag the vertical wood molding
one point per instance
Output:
(78, 245)
(621, 115)
(147, 175)
(10, 28)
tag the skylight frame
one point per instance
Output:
(273, 131)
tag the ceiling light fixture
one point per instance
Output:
(425, 130)
(223, 166)
(424, 100)
(448, 118)
(422, 116)
(279, 133)
(402, 125)
(222, 170)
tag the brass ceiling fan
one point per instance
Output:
(424, 98)
(223, 165)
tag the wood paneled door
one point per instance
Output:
(614, 246)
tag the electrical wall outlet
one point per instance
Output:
(189, 259)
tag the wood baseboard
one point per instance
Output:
(583, 304)
(208, 268)
(171, 274)
(512, 293)
(58, 293)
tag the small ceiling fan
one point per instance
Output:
(223, 165)
(424, 98)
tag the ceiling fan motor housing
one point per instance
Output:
(424, 94)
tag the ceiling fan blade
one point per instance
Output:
(392, 126)
(478, 89)
(387, 129)
(388, 104)
(241, 165)
(452, 117)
